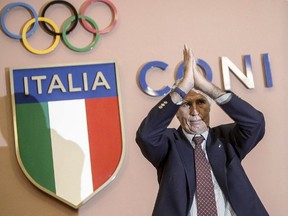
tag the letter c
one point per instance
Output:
(142, 79)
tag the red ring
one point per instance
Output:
(88, 26)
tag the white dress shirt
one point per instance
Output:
(223, 206)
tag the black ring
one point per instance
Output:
(72, 9)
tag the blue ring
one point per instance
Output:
(8, 8)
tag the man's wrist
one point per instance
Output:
(225, 98)
(180, 92)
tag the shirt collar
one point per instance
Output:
(190, 137)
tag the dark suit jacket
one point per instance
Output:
(173, 156)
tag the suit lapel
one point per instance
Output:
(186, 153)
(217, 158)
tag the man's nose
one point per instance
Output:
(193, 110)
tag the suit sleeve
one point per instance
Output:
(250, 125)
(152, 134)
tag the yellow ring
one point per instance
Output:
(49, 49)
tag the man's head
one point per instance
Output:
(194, 112)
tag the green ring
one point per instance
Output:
(69, 45)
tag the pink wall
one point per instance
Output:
(156, 30)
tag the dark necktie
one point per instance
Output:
(206, 205)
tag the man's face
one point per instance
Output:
(194, 113)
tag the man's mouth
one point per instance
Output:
(195, 121)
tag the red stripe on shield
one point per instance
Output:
(104, 129)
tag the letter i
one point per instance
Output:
(85, 81)
(26, 87)
(267, 69)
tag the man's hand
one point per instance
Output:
(187, 82)
(189, 65)
(193, 77)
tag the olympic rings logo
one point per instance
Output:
(69, 25)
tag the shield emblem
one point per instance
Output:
(68, 128)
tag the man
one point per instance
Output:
(175, 156)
